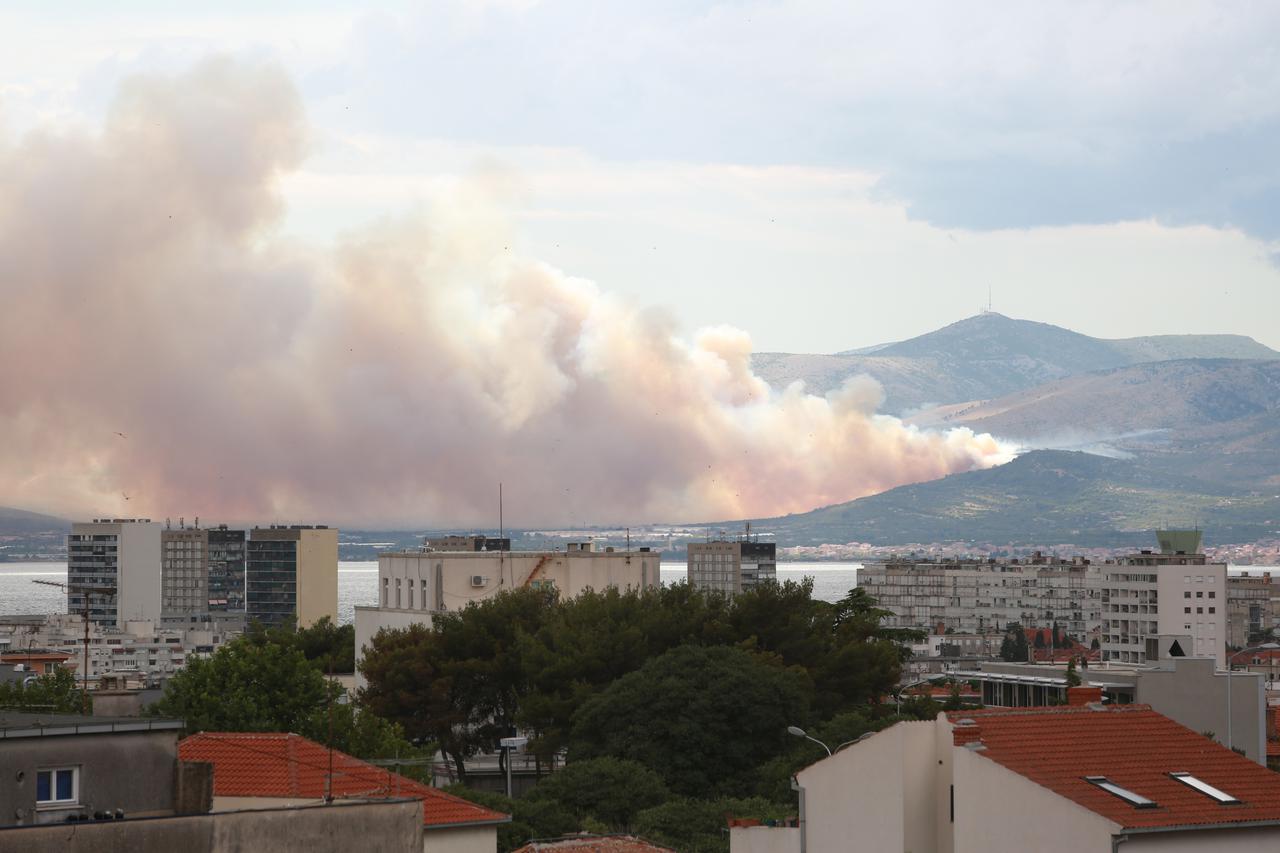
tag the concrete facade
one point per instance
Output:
(982, 596)
(1150, 594)
(764, 839)
(393, 826)
(1249, 609)
(184, 572)
(118, 764)
(291, 574)
(121, 553)
(731, 566)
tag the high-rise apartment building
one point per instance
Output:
(120, 554)
(226, 569)
(731, 566)
(184, 572)
(291, 574)
(1174, 592)
(972, 596)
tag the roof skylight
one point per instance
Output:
(1205, 788)
(1136, 800)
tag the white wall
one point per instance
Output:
(1208, 630)
(370, 620)
(1228, 840)
(879, 792)
(139, 572)
(470, 839)
(765, 839)
(999, 811)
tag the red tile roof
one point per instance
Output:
(290, 766)
(596, 844)
(1133, 747)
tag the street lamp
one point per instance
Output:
(1231, 744)
(799, 732)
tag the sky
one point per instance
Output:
(1103, 166)
(320, 261)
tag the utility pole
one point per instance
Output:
(86, 591)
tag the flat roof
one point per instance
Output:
(14, 724)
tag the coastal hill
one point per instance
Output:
(1042, 497)
(989, 355)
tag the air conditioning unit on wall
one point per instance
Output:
(479, 580)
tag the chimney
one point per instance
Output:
(966, 731)
(1078, 697)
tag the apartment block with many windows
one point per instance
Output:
(120, 557)
(291, 574)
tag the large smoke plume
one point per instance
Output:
(160, 341)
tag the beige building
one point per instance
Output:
(412, 585)
(731, 566)
(1168, 593)
(291, 574)
(184, 572)
(1081, 777)
(117, 554)
(971, 596)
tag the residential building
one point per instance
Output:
(731, 566)
(226, 569)
(1172, 592)
(1250, 614)
(254, 770)
(1191, 691)
(1080, 777)
(981, 596)
(59, 765)
(412, 585)
(120, 556)
(184, 572)
(291, 574)
(140, 651)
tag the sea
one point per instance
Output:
(358, 584)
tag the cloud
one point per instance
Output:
(162, 342)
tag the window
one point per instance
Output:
(1136, 800)
(1199, 594)
(1186, 610)
(1204, 788)
(57, 786)
(1199, 609)
(1213, 609)
(1186, 594)
(1212, 594)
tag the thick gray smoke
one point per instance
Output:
(159, 341)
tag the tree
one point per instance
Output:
(1014, 648)
(702, 718)
(248, 685)
(698, 826)
(1073, 677)
(530, 819)
(54, 692)
(329, 647)
(611, 790)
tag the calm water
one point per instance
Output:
(358, 584)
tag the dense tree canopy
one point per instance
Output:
(253, 684)
(54, 692)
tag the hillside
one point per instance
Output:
(989, 355)
(1042, 497)
(1215, 419)
(19, 522)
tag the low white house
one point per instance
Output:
(1080, 777)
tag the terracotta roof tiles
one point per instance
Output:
(290, 766)
(595, 844)
(1134, 748)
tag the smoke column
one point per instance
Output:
(164, 352)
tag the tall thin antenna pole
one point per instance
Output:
(500, 522)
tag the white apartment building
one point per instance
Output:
(972, 596)
(141, 649)
(1171, 593)
(120, 554)
(412, 585)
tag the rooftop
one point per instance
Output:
(279, 765)
(1127, 763)
(15, 725)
